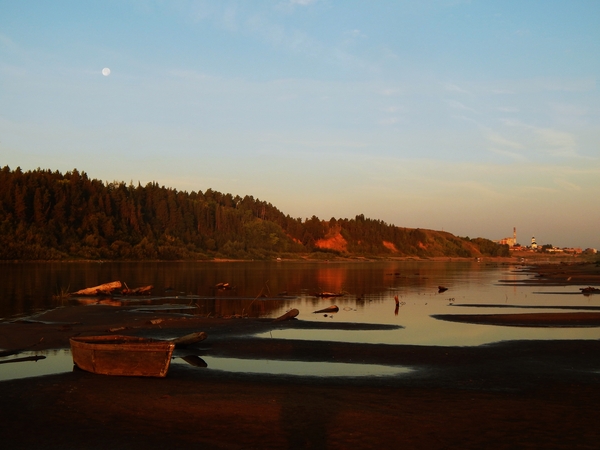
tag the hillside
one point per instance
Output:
(47, 215)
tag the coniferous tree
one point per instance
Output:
(48, 215)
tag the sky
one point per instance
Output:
(471, 117)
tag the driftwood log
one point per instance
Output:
(329, 309)
(106, 288)
(329, 294)
(189, 339)
(35, 358)
(589, 290)
(288, 315)
(143, 290)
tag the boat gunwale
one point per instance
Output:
(120, 343)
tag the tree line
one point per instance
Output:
(46, 215)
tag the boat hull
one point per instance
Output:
(122, 355)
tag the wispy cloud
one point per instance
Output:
(546, 140)
(290, 5)
(511, 155)
(390, 92)
(557, 143)
(567, 185)
(568, 109)
(466, 119)
(451, 87)
(536, 85)
(522, 32)
(302, 2)
(499, 140)
(356, 33)
(395, 109)
(454, 104)
(7, 43)
(229, 18)
(508, 109)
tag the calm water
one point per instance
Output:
(260, 289)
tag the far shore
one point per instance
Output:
(517, 257)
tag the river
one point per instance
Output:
(269, 289)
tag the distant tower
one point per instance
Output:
(533, 243)
(514, 236)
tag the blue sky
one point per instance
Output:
(469, 116)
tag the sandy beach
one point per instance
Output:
(518, 394)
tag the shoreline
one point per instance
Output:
(530, 258)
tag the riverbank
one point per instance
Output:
(516, 257)
(518, 394)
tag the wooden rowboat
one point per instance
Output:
(122, 355)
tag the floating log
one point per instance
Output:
(589, 290)
(143, 290)
(115, 329)
(106, 289)
(25, 358)
(329, 309)
(189, 339)
(288, 315)
(328, 294)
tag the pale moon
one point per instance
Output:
(106, 71)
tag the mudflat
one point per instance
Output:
(517, 394)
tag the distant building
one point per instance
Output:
(533, 243)
(511, 242)
(573, 250)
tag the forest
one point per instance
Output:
(46, 215)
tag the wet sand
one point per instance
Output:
(524, 394)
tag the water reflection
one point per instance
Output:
(35, 364)
(299, 368)
(29, 287)
(401, 294)
(383, 303)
